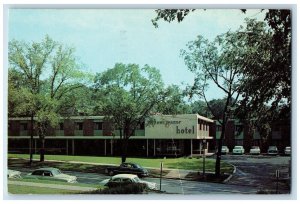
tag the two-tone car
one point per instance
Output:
(50, 173)
(125, 179)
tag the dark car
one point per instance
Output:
(127, 168)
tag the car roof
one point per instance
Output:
(47, 168)
(124, 176)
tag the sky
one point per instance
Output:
(104, 37)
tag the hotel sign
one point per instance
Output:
(172, 127)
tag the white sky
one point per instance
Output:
(103, 37)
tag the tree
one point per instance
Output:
(214, 62)
(49, 71)
(174, 102)
(130, 95)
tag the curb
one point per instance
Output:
(229, 177)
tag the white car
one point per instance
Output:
(51, 174)
(255, 150)
(130, 178)
(238, 150)
(224, 150)
(13, 174)
(287, 151)
(272, 150)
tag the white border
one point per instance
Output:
(152, 4)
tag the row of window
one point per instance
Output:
(78, 126)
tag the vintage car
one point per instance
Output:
(272, 150)
(120, 179)
(51, 174)
(127, 168)
(238, 150)
(255, 150)
(13, 174)
(287, 150)
(224, 150)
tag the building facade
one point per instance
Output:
(242, 134)
(160, 135)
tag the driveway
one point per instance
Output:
(259, 171)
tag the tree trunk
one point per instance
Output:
(31, 141)
(124, 149)
(42, 151)
(220, 143)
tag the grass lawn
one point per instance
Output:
(17, 189)
(172, 163)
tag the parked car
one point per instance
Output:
(13, 174)
(224, 150)
(238, 150)
(255, 150)
(272, 150)
(126, 178)
(127, 168)
(287, 151)
(51, 174)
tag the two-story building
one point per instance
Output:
(160, 135)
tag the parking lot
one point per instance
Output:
(259, 171)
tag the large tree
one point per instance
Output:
(130, 95)
(49, 71)
(214, 63)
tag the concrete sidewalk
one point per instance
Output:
(56, 186)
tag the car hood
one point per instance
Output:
(150, 185)
(66, 177)
(105, 181)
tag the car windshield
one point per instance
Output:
(136, 179)
(238, 147)
(255, 147)
(136, 166)
(56, 171)
(272, 147)
(288, 148)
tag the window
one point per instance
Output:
(24, 126)
(38, 172)
(239, 128)
(142, 126)
(98, 126)
(61, 126)
(79, 126)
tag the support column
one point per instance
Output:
(105, 147)
(200, 147)
(191, 147)
(154, 148)
(67, 147)
(147, 149)
(35, 146)
(111, 147)
(73, 147)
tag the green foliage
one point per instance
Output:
(131, 93)
(41, 74)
